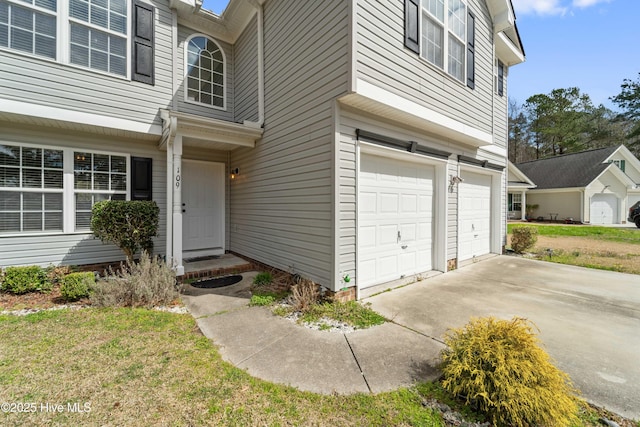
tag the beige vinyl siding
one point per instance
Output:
(198, 109)
(30, 79)
(383, 60)
(79, 248)
(281, 203)
(246, 74)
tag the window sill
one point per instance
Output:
(28, 234)
(213, 107)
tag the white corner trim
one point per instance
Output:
(88, 119)
(407, 106)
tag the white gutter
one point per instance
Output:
(260, 36)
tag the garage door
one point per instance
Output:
(474, 215)
(395, 214)
(604, 209)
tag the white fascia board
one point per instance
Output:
(79, 117)
(506, 51)
(557, 190)
(411, 108)
(615, 170)
(628, 155)
(513, 170)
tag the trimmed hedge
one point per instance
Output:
(77, 285)
(20, 280)
(130, 224)
(523, 238)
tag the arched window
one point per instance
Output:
(205, 72)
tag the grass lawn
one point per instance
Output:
(623, 235)
(605, 248)
(143, 367)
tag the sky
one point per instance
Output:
(591, 44)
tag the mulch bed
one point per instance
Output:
(39, 300)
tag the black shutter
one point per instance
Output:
(141, 178)
(471, 51)
(412, 25)
(500, 78)
(142, 55)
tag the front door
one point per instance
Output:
(203, 198)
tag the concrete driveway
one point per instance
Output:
(589, 320)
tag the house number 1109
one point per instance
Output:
(178, 178)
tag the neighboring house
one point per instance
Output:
(518, 186)
(595, 186)
(331, 138)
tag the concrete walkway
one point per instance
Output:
(589, 322)
(275, 349)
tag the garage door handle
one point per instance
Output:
(399, 237)
(404, 246)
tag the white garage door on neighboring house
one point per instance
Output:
(395, 216)
(604, 209)
(474, 215)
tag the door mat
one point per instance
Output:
(202, 258)
(218, 282)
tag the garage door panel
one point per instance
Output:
(403, 204)
(474, 218)
(604, 209)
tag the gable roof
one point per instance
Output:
(568, 170)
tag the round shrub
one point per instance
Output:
(523, 238)
(77, 285)
(20, 280)
(499, 367)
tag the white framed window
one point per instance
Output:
(444, 35)
(29, 26)
(620, 164)
(92, 34)
(36, 196)
(205, 72)
(515, 202)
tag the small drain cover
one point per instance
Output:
(218, 282)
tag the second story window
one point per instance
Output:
(99, 34)
(29, 27)
(204, 72)
(443, 35)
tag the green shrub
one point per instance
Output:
(261, 300)
(77, 285)
(148, 283)
(131, 225)
(523, 238)
(20, 280)
(499, 366)
(263, 279)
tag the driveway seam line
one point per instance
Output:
(418, 332)
(364, 377)
(264, 348)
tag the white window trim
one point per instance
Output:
(445, 42)
(63, 38)
(185, 61)
(68, 190)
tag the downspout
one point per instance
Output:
(260, 36)
(170, 127)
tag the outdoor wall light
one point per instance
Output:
(235, 172)
(453, 181)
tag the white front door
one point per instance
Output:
(604, 209)
(474, 213)
(395, 219)
(203, 198)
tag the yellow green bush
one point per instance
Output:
(499, 367)
(523, 238)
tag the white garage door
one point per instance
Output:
(604, 209)
(395, 214)
(474, 216)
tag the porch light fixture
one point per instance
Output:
(453, 181)
(235, 172)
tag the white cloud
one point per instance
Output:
(552, 7)
(587, 3)
(540, 7)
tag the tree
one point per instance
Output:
(629, 101)
(559, 120)
(519, 137)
